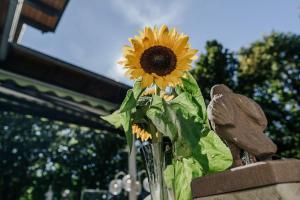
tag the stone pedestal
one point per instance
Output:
(269, 180)
(284, 191)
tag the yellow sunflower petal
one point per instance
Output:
(184, 67)
(137, 45)
(143, 135)
(136, 73)
(183, 62)
(131, 63)
(161, 82)
(147, 80)
(163, 35)
(155, 31)
(140, 133)
(149, 33)
(188, 55)
(168, 97)
(177, 73)
(158, 81)
(128, 73)
(173, 80)
(146, 42)
(149, 92)
(127, 49)
(181, 43)
(173, 36)
(132, 57)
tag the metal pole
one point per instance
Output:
(132, 171)
(15, 21)
(11, 22)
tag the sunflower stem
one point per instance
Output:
(158, 135)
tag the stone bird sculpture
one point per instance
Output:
(240, 121)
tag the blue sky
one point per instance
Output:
(91, 33)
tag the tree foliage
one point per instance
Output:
(36, 153)
(270, 73)
(217, 65)
(267, 71)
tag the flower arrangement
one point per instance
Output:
(166, 101)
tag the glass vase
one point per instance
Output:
(156, 156)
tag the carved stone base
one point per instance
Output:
(269, 180)
(284, 191)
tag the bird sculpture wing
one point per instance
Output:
(220, 110)
(251, 109)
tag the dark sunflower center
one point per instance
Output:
(159, 60)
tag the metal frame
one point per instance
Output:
(44, 68)
(9, 18)
(12, 98)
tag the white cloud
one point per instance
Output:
(118, 72)
(150, 12)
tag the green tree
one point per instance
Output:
(267, 71)
(216, 65)
(36, 153)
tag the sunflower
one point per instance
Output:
(140, 133)
(159, 56)
(164, 95)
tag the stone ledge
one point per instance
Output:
(247, 177)
(284, 191)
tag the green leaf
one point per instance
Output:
(185, 171)
(169, 176)
(191, 87)
(161, 117)
(207, 147)
(131, 98)
(129, 102)
(190, 132)
(114, 119)
(218, 154)
(127, 126)
(183, 102)
(157, 102)
(122, 117)
(137, 89)
(182, 149)
(139, 115)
